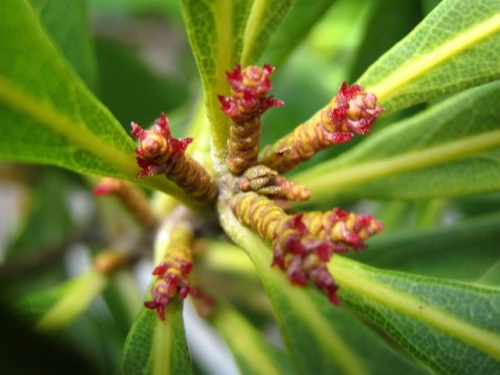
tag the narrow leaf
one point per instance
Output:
(320, 339)
(400, 17)
(264, 19)
(296, 25)
(450, 50)
(49, 116)
(215, 31)
(155, 347)
(67, 24)
(55, 308)
(253, 353)
(452, 327)
(451, 149)
(466, 251)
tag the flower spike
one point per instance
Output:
(160, 153)
(352, 111)
(266, 181)
(172, 274)
(304, 243)
(245, 106)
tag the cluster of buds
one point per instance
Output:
(160, 153)
(352, 111)
(245, 106)
(263, 180)
(303, 244)
(172, 274)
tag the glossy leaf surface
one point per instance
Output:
(155, 347)
(450, 50)
(453, 327)
(49, 116)
(58, 307)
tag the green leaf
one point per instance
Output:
(155, 347)
(124, 76)
(67, 24)
(400, 17)
(296, 25)
(49, 116)
(170, 8)
(264, 19)
(450, 50)
(58, 307)
(215, 30)
(320, 338)
(466, 251)
(253, 353)
(451, 149)
(450, 326)
(47, 222)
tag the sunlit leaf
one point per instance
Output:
(67, 24)
(400, 17)
(296, 25)
(451, 50)
(452, 327)
(55, 308)
(155, 347)
(264, 19)
(48, 115)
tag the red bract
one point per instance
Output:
(249, 88)
(157, 148)
(355, 111)
(172, 280)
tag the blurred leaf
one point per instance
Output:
(130, 90)
(171, 8)
(451, 149)
(298, 22)
(123, 300)
(67, 24)
(400, 17)
(58, 307)
(450, 50)
(47, 220)
(215, 30)
(450, 326)
(466, 251)
(253, 353)
(155, 347)
(24, 351)
(53, 118)
(320, 338)
(264, 19)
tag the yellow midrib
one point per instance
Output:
(441, 154)
(391, 86)
(361, 284)
(42, 112)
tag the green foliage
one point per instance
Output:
(156, 347)
(422, 298)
